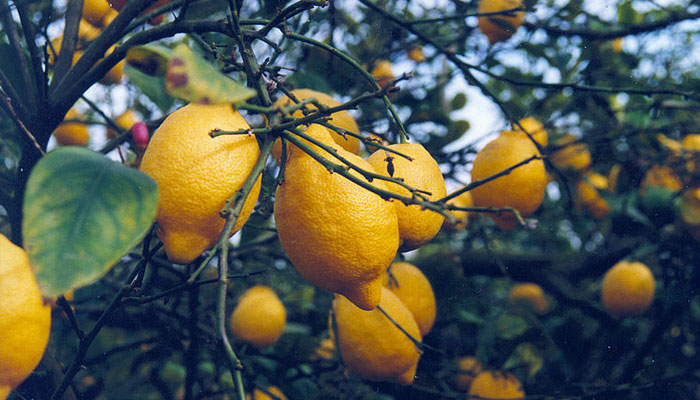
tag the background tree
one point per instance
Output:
(613, 84)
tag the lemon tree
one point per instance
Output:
(309, 199)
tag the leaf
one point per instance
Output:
(510, 326)
(82, 213)
(526, 354)
(194, 79)
(151, 59)
(152, 87)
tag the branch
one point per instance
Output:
(10, 29)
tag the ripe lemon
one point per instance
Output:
(94, 11)
(25, 321)
(498, 28)
(496, 385)
(341, 119)
(125, 121)
(588, 198)
(409, 284)
(416, 54)
(531, 294)
(535, 129)
(661, 176)
(114, 75)
(573, 156)
(371, 345)
(325, 350)
(522, 189)
(260, 395)
(196, 174)
(469, 367)
(461, 217)
(72, 133)
(417, 226)
(382, 72)
(338, 235)
(628, 289)
(259, 317)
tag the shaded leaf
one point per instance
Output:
(193, 79)
(151, 59)
(82, 213)
(510, 326)
(151, 86)
(527, 355)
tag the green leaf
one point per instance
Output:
(510, 326)
(194, 79)
(152, 87)
(82, 213)
(526, 354)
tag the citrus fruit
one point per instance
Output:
(196, 174)
(382, 72)
(261, 395)
(461, 217)
(411, 286)
(341, 119)
(259, 317)
(416, 54)
(498, 28)
(495, 385)
(417, 226)
(125, 121)
(325, 350)
(690, 211)
(339, 236)
(371, 345)
(535, 129)
(114, 75)
(522, 189)
(628, 289)
(468, 368)
(72, 133)
(25, 321)
(571, 156)
(94, 11)
(661, 176)
(531, 294)
(588, 198)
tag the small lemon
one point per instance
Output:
(125, 121)
(495, 385)
(72, 133)
(461, 217)
(383, 72)
(572, 156)
(535, 129)
(531, 294)
(628, 289)
(261, 395)
(498, 28)
(259, 317)
(468, 368)
(94, 11)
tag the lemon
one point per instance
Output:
(261, 395)
(661, 176)
(588, 198)
(416, 54)
(461, 217)
(417, 226)
(341, 119)
(495, 385)
(325, 350)
(72, 133)
(498, 28)
(469, 367)
(339, 236)
(196, 174)
(572, 156)
(114, 75)
(125, 121)
(383, 72)
(531, 294)
(25, 321)
(523, 188)
(628, 289)
(371, 345)
(409, 284)
(94, 11)
(259, 317)
(535, 129)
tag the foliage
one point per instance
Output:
(620, 77)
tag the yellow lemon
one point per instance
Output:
(196, 174)
(339, 236)
(382, 72)
(535, 129)
(25, 321)
(417, 226)
(588, 198)
(72, 133)
(531, 294)
(495, 385)
(416, 54)
(498, 28)
(412, 287)
(628, 289)
(572, 156)
(259, 317)
(461, 217)
(341, 119)
(261, 395)
(523, 188)
(661, 176)
(94, 11)
(371, 345)
(468, 368)
(125, 121)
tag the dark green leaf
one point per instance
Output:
(82, 213)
